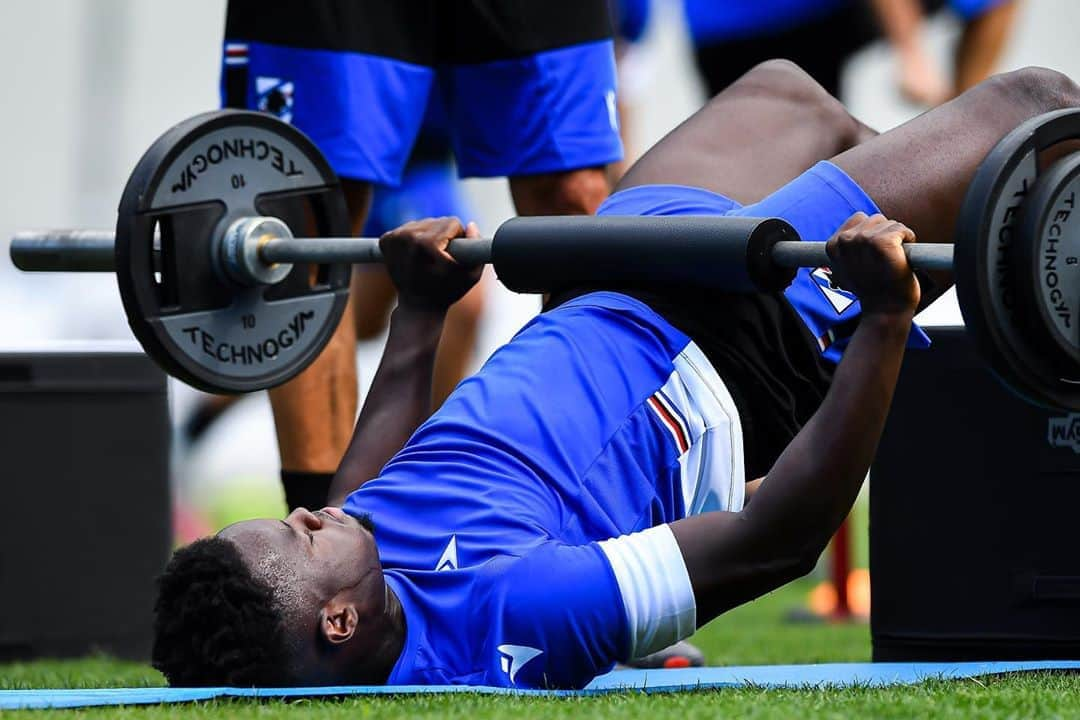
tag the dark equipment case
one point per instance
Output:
(84, 497)
(974, 502)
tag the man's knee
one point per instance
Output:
(786, 82)
(1038, 88)
(573, 192)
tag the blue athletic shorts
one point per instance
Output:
(428, 189)
(710, 21)
(528, 87)
(816, 204)
(971, 9)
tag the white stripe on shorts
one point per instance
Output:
(711, 469)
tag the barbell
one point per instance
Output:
(223, 295)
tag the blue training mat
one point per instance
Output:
(649, 681)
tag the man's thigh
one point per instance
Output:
(354, 75)
(530, 87)
(772, 124)
(919, 172)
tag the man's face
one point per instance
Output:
(310, 558)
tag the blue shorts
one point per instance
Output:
(525, 92)
(428, 189)
(972, 9)
(816, 204)
(631, 18)
(710, 21)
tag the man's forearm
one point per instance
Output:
(398, 402)
(734, 557)
(813, 484)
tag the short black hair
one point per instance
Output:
(215, 623)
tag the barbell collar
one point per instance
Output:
(794, 254)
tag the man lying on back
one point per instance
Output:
(585, 498)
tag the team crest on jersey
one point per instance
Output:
(275, 96)
(839, 298)
(515, 657)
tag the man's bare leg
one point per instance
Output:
(315, 411)
(919, 172)
(574, 192)
(902, 22)
(373, 297)
(457, 346)
(765, 129)
(981, 44)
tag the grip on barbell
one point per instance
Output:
(542, 254)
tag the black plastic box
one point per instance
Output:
(84, 500)
(974, 500)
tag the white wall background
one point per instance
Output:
(89, 84)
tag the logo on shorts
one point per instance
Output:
(612, 110)
(275, 97)
(839, 298)
(1064, 432)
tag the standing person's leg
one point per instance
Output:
(315, 411)
(344, 74)
(574, 192)
(902, 23)
(987, 27)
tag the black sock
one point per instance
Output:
(305, 489)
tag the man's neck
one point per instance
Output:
(394, 633)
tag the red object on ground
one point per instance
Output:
(840, 569)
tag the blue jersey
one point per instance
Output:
(598, 420)
(524, 525)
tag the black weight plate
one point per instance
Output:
(986, 263)
(1049, 264)
(194, 181)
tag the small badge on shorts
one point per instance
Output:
(839, 298)
(236, 53)
(275, 97)
(612, 110)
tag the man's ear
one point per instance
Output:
(338, 620)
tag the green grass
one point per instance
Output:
(755, 634)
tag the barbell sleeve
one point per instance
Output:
(938, 256)
(467, 251)
(64, 250)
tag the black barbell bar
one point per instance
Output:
(733, 254)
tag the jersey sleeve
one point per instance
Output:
(567, 613)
